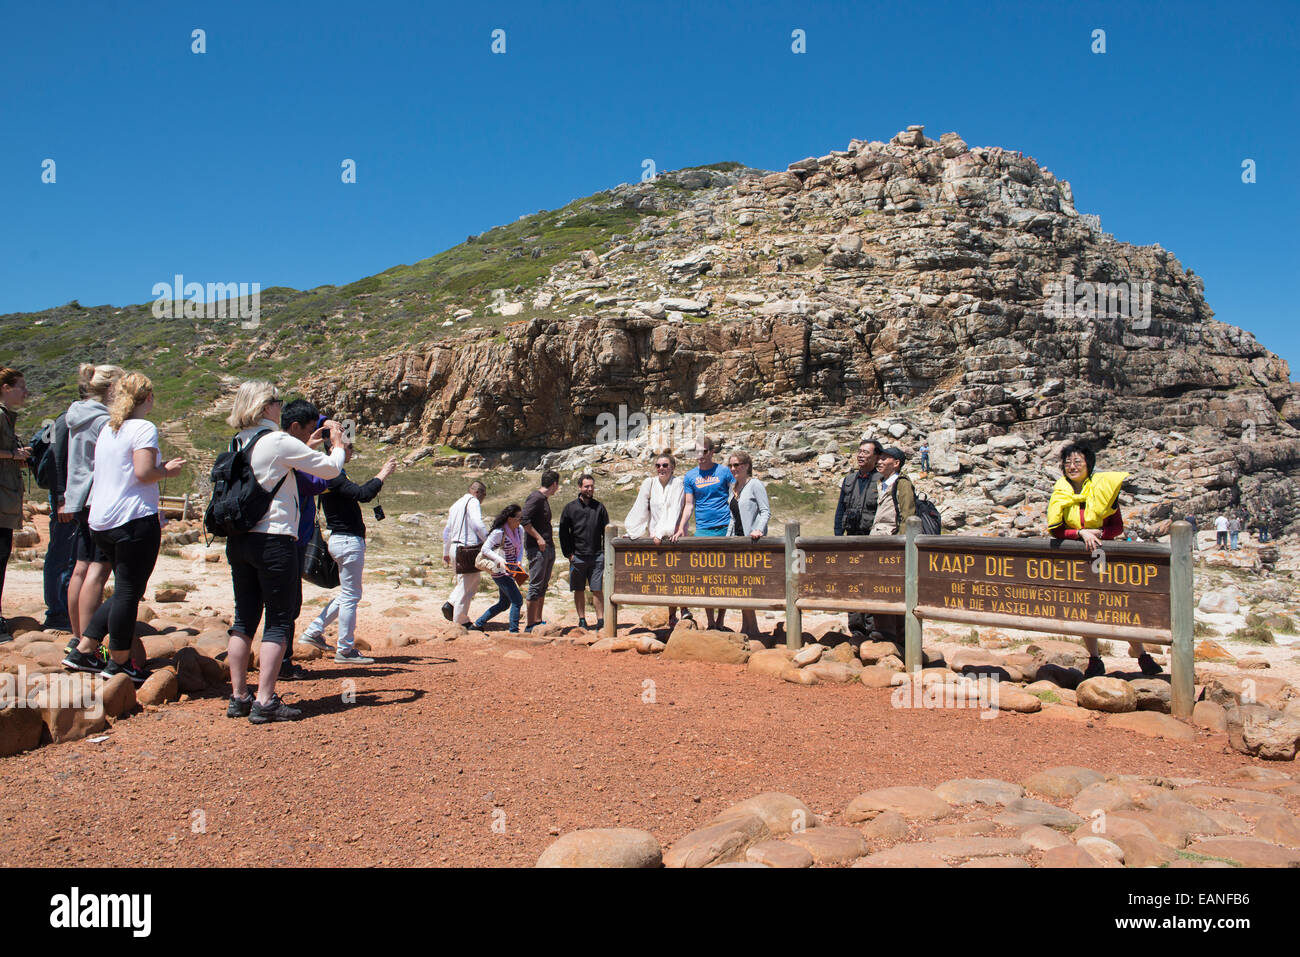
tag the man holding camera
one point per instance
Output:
(859, 497)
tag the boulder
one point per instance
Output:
(1263, 732)
(807, 655)
(1278, 826)
(831, 845)
(1142, 851)
(167, 594)
(1112, 695)
(913, 803)
(647, 645)
(780, 813)
(1153, 724)
(1068, 855)
(722, 647)
(886, 826)
(834, 671)
(717, 843)
(655, 618)
(603, 847)
(1209, 650)
(1064, 654)
(871, 652)
(1231, 689)
(979, 791)
(877, 676)
(189, 675)
(118, 695)
(158, 688)
(217, 673)
(1063, 783)
(1153, 694)
(1247, 852)
(1100, 797)
(779, 854)
(20, 730)
(1218, 603)
(1107, 853)
(1026, 812)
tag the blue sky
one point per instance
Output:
(225, 166)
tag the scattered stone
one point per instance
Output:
(904, 855)
(831, 845)
(1107, 853)
(1063, 782)
(1142, 851)
(1112, 695)
(979, 791)
(1153, 724)
(1043, 838)
(1026, 812)
(1209, 650)
(779, 854)
(886, 827)
(1068, 855)
(987, 862)
(118, 695)
(833, 671)
(722, 647)
(913, 803)
(808, 655)
(1100, 797)
(1210, 715)
(189, 675)
(1153, 694)
(1247, 852)
(20, 730)
(871, 652)
(717, 843)
(1263, 732)
(158, 688)
(875, 676)
(1011, 698)
(649, 646)
(603, 847)
(1278, 826)
(781, 813)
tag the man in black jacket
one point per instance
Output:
(855, 512)
(582, 540)
(61, 555)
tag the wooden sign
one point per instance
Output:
(847, 573)
(1123, 593)
(701, 572)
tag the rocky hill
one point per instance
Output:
(915, 277)
(918, 288)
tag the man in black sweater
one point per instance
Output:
(855, 512)
(582, 539)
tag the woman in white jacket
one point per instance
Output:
(264, 560)
(657, 508)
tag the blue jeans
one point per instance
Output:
(60, 558)
(1233, 538)
(350, 552)
(510, 597)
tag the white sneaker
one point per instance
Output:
(315, 641)
(353, 658)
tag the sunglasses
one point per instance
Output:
(663, 465)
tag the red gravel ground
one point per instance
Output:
(482, 760)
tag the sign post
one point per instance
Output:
(611, 610)
(911, 623)
(1182, 656)
(793, 567)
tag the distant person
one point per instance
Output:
(125, 521)
(856, 510)
(750, 514)
(1221, 532)
(1263, 531)
(503, 548)
(925, 456)
(1190, 519)
(347, 545)
(657, 508)
(264, 571)
(464, 529)
(895, 504)
(1234, 533)
(706, 491)
(1084, 506)
(13, 463)
(582, 540)
(539, 544)
(86, 420)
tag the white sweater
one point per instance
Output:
(273, 458)
(656, 510)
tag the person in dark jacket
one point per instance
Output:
(582, 540)
(347, 543)
(300, 418)
(854, 513)
(13, 462)
(61, 554)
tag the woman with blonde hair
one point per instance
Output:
(124, 520)
(13, 461)
(85, 418)
(263, 561)
(750, 513)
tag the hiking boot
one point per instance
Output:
(137, 675)
(289, 671)
(582, 623)
(275, 710)
(316, 641)
(1148, 665)
(239, 707)
(75, 660)
(447, 610)
(1096, 668)
(352, 657)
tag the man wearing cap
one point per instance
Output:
(896, 504)
(896, 500)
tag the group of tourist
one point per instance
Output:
(106, 522)
(105, 505)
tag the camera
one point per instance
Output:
(379, 513)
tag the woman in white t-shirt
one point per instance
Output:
(124, 517)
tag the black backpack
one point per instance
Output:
(238, 500)
(926, 511)
(44, 460)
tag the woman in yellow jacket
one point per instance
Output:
(1085, 507)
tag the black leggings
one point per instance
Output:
(264, 573)
(132, 549)
(6, 546)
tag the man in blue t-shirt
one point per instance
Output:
(706, 493)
